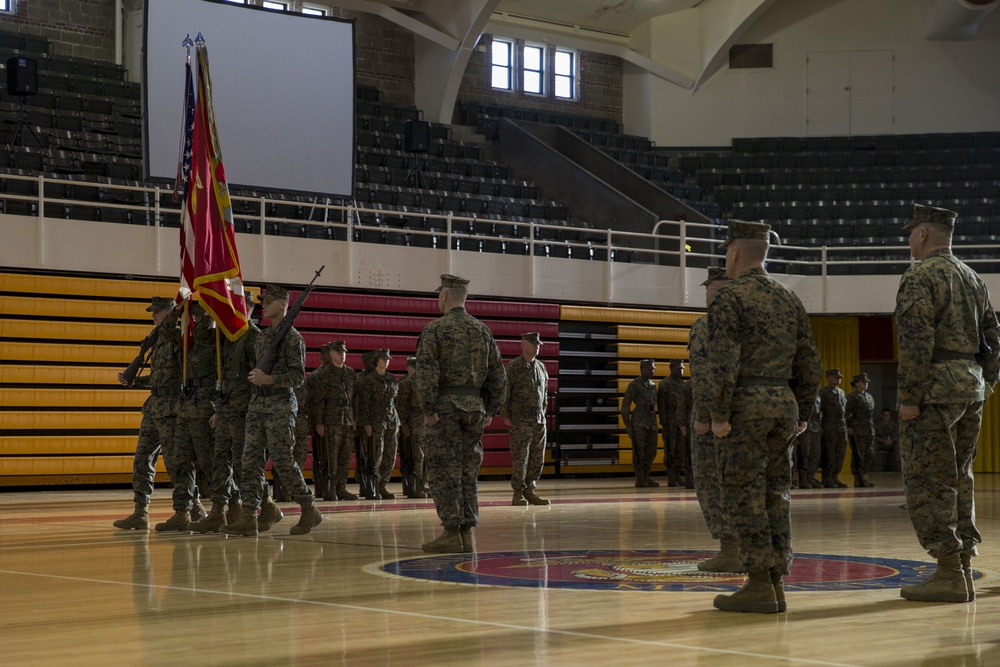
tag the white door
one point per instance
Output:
(872, 92)
(828, 94)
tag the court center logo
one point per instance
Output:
(647, 571)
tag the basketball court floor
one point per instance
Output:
(604, 576)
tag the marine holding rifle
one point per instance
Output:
(163, 346)
(331, 401)
(270, 424)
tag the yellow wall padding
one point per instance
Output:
(83, 375)
(65, 420)
(68, 465)
(988, 459)
(77, 354)
(653, 334)
(659, 353)
(74, 308)
(628, 316)
(47, 330)
(73, 398)
(49, 445)
(14, 283)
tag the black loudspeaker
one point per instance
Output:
(417, 136)
(22, 76)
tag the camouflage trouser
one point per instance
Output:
(384, 442)
(189, 459)
(301, 449)
(155, 434)
(834, 450)
(418, 447)
(527, 452)
(754, 476)
(810, 449)
(862, 453)
(339, 447)
(454, 455)
(643, 450)
(274, 434)
(937, 450)
(706, 484)
(227, 462)
(676, 450)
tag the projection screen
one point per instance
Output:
(282, 85)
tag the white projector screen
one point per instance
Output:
(282, 86)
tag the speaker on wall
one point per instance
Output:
(22, 76)
(417, 136)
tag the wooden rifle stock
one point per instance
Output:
(145, 346)
(266, 362)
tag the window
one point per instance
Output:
(565, 74)
(313, 11)
(280, 6)
(237, 2)
(532, 69)
(502, 60)
(6, 5)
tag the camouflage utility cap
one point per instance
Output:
(860, 377)
(531, 337)
(753, 231)
(159, 303)
(932, 215)
(716, 273)
(274, 293)
(448, 280)
(646, 363)
(382, 354)
(834, 372)
(338, 346)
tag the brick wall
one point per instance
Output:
(599, 86)
(384, 55)
(83, 28)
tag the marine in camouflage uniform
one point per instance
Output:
(810, 444)
(861, 430)
(761, 376)
(271, 421)
(158, 418)
(949, 355)
(411, 424)
(887, 439)
(523, 411)
(704, 463)
(676, 445)
(461, 383)
(376, 397)
(640, 422)
(194, 442)
(332, 400)
(833, 406)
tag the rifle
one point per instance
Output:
(267, 360)
(321, 467)
(364, 468)
(140, 359)
(406, 468)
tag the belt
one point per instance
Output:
(272, 391)
(201, 382)
(747, 381)
(460, 391)
(948, 355)
(339, 401)
(165, 391)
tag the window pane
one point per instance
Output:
(237, 2)
(274, 5)
(501, 53)
(564, 87)
(501, 77)
(532, 58)
(564, 63)
(532, 82)
(312, 11)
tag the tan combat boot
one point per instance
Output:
(947, 584)
(779, 589)
(449, 542)
(215, 520)
(270, 514)
(245, 526)
(757, 596)
(179, 521)
(727, 560)
(518, 500)
(966, 559)
(137, 520)
(384, 493)
(468, 540)
(310, 519)
(531, 497)
(343, 493)
(234, 511)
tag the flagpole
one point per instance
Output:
(185, 319)
(218, 354)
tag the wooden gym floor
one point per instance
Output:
(604, 576)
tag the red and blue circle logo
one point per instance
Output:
(648, 571)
